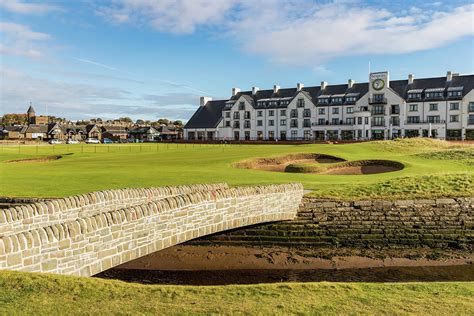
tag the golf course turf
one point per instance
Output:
(429, 168)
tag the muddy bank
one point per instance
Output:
(187, 257)
(38, 159)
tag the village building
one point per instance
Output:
(147, 133)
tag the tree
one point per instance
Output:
(163, 121)
(126, 119)
(178, 123)
(14, 119)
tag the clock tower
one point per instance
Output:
(378, 82)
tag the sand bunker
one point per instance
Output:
(280, 163)
(320, 164)
(38, 159)
(364, 167)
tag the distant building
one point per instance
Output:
(37, 120)
(114, 132)
(147, 133)
(441, 107)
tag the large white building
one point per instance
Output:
(441, 107)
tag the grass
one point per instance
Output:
(89, 168)
(43, 294)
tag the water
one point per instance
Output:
(224, 277)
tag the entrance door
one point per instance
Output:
(236, 135)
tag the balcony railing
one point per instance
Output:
(426, 122)
(377, 100)
(331, 124)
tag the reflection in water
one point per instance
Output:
(222, 277)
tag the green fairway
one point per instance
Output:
(432, 168)
(43, 294)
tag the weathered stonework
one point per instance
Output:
(87, 234)
(436, 223)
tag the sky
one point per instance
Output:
(153, 59)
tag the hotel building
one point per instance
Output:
(441, 107)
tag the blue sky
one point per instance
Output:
(154, 58)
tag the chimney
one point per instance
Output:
(204, 100)
(235, 91)
(255, 90)
(323, 85)
(449, 76)
(350, 83)
(276, 88)
(299, 86)
(410, 78)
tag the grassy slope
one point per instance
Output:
(43, 294)
(149, 165)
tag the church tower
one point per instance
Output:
(30, 114)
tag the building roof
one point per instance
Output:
(143, 130)
(34, 128)
(208, 115)
(31, 110)
(114, 129)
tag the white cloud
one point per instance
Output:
(20, 40)
(20, 31)
(17, 6)
(304, 32)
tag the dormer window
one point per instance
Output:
(434, 93)
(323, 99)
(455, 92)
(414, 94)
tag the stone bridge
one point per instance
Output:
(87, 234)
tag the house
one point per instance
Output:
(168, 132)
(13, 132)
(114, 132)
(438, 107)
(147, 133)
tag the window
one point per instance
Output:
(259, 113)
(351, 100)
(434, 95)
(300, 103)
(378, 98)
(236, 115)
(271, 113)
(307, 135)
(321, 121)
(247, 135)
(307, 113)
(454, 118)
(395, 121)
(453, 94)
(454, 106)
(294, 113)
(294, 123)
(350, 110)
(241, 105)
(335, 110)
(283, 122)
(282, 112)
(271, 123)
(395, 109)
(366, 120)
(470, 107)
(336, 100)
(247, 124)
(271, 135)
(378, 121)
(470, 119)
(259, 123)
(227, 123)
(323, 100)
(413, 107)
(236, 124)
(378, 110)
(433, 106)
(335, 121)
(359, 120)
(321, 111)
(349, 120)
(413, 119)
(415, 96)
(294, 134)
(306, 123)
(433, 119)
(227, 114)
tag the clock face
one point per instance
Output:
(378, 84)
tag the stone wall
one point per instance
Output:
(100, 238)
(45, 213)
(440, 223)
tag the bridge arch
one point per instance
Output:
(91, 233)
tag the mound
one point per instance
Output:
(280, 163)
(38, 159)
